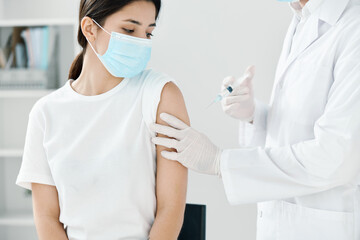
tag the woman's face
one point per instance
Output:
(136, 19)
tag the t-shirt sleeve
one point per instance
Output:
(34, 166)
(154, 83)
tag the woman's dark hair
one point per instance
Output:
(99, 10)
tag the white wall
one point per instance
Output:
(199, 43)
(1, 9)
(31, 9)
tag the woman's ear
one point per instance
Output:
(88, 28)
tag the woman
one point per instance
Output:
(88, 156)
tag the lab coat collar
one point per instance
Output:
(307, 10)
(288, 39)
(312, 6)
(297, 9)
(311, 36)
(282, 65)
(331, 10)
(328, 11)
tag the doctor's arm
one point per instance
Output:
(329, 160)
(171, 177)
(258, 174)
(46, 212)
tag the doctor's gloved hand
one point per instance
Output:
(240, 104)
(194, 150)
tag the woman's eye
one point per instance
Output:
(149, 35)
(128, 30)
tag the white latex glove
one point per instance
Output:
(240, 104)
(194, 150)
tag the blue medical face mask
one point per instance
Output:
(126, 56)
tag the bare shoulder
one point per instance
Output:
(172, 102)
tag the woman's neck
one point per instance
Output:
(303, 2)
(94, 78)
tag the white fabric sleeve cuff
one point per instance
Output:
(155, 82)
(25, 180)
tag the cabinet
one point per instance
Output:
(16, 217)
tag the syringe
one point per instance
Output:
(229, 89)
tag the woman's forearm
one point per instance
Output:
(50, 228)
(167, 224)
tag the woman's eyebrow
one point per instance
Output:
(139, 23)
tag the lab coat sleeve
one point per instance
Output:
(254, 134)
(331, 159)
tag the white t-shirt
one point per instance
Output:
(97, 151)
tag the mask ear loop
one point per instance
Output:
(101, 27)
(90, 42)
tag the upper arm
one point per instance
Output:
(45, 201)
(171, 179)
(47, 212)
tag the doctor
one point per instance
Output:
(300, 155)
